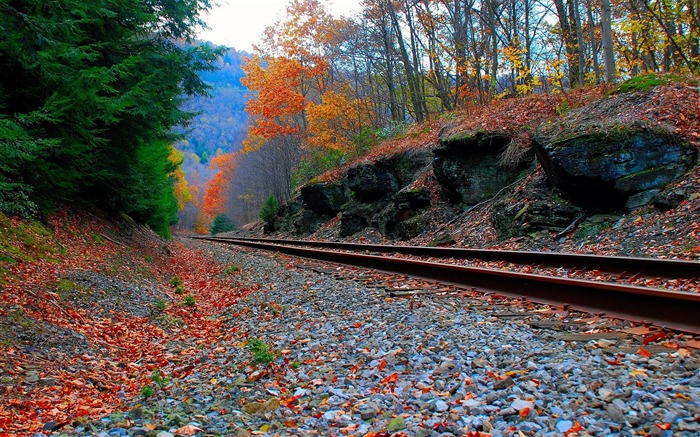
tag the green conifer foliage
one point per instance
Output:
(89, 93)
(221, 223)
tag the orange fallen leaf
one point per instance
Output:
(643, 352)
(391, 378)
(664, 426)
(187, 430)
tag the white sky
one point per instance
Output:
(239, 23)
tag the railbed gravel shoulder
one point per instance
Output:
(349, 360)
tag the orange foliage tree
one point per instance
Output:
(214, 201)
(336, 120)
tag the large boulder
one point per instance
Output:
(323, 198)
(398, 219)
(611, 167)
(469, 165)
(371, 182)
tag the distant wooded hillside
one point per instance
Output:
(219, 128)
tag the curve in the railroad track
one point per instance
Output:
(678, 310)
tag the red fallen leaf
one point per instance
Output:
(525, 412)
(663, 426)
(643, 352)
(382, 365)
(653, 338)
(614, 362)
(391, 378)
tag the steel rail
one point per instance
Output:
(611, 264)
(671, 309)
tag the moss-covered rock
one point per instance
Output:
(611, 167)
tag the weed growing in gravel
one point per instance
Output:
(176, 282)
(190, 300)
(261, 353)
(159, 306)
(147, 391)
(231, 269)
(179, 290)
(295, 364)
(159, 379)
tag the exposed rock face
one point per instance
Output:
(535, 208)
(407, 166)
(324, 199)
(295, 218)
(400, 218)
(351, 223)
(371, 182)
(614, 167)
(468, 168)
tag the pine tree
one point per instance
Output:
(89, 93)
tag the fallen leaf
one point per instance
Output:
(187, 430)
(643, 352)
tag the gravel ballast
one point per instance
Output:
(347, 359)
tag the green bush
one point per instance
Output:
(269, 210)
(221, 223)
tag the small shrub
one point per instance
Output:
(175, 281)
(179, 290)
(269, 210)
(159, 379)
(190, 301)
(159, 305)
(147, 391)
(231, 269)
(261, 353)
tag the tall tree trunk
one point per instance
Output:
(606, 33)
(413, 87)
(593, 41)
(389, 64)
(491, 7)
(565, 16)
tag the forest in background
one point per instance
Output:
(325, 90)
(93, 95)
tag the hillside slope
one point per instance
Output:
(663, 226)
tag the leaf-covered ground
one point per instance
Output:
(90, 310)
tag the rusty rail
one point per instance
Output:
(672, 309)
(663, 268)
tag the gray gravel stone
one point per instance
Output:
(347, 357)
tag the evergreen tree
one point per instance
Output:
(89, 93)
(221, 223)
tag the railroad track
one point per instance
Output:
(678, 310)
